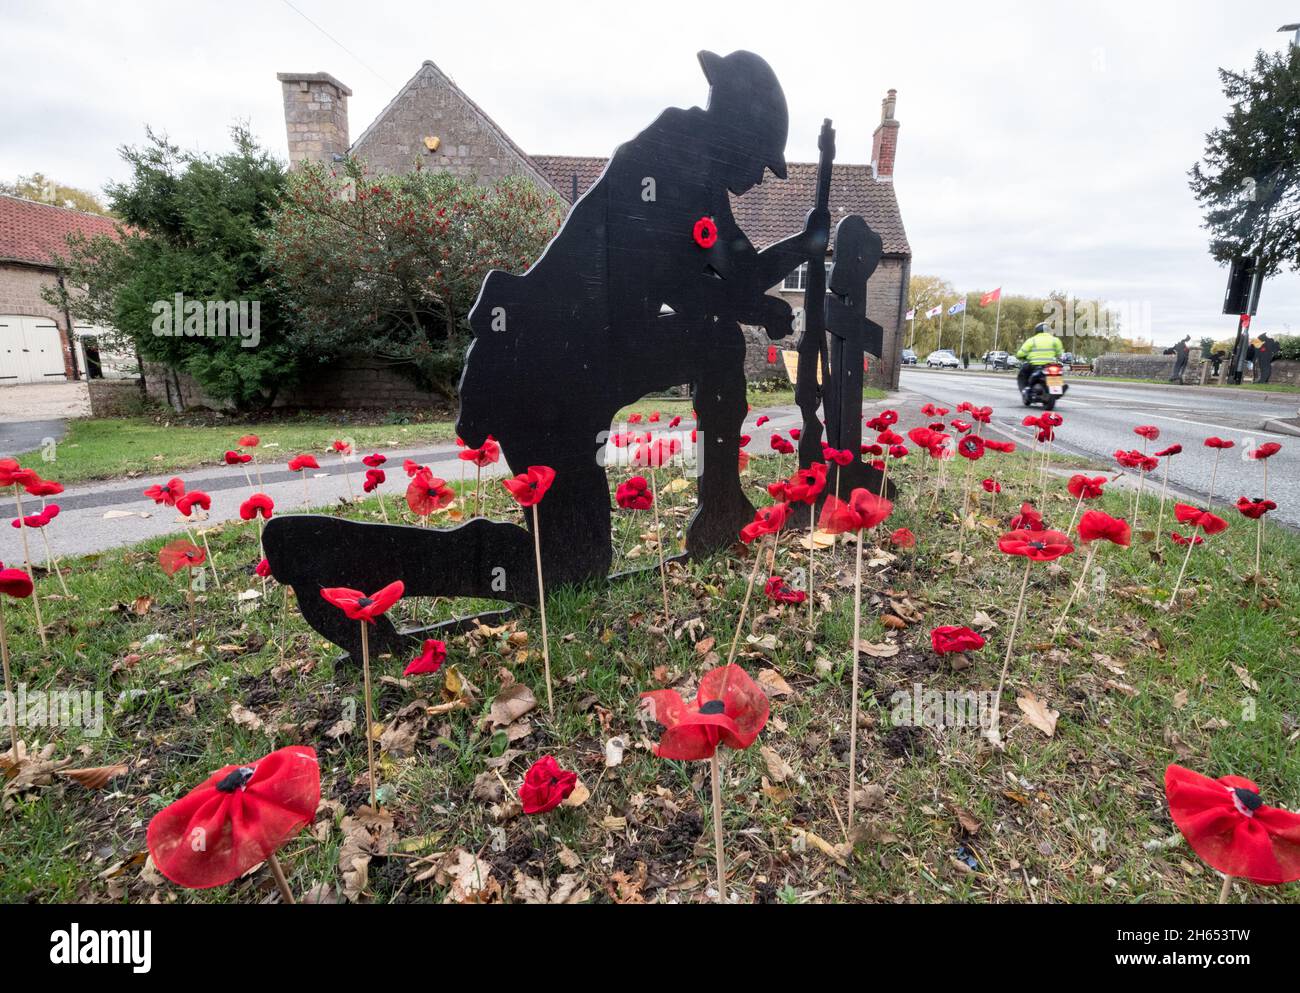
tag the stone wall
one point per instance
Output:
(1158, 368)
(356, 385)
(116, 397)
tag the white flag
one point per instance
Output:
(934, 311)
(911, 315)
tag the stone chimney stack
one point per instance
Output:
(315, 116)
(884, 143)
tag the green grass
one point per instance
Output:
(1066, 818)
(758, 395)
(102, 448)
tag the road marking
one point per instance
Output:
(1220, 427)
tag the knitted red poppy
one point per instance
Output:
(1095, 526)
(180, 554)
(361, 606)
(1254, 509)
(426, 493)
(546, 786)
(1221, 443)
(236, 818)
(529, 487)
(729, 709)
(195, 498)
(1038, 546)
(1148, 431)
(1085, 487)
(432, 654)
(864, 510)
(946, 640)
(776, 590)
(167, 493)
(258, 505)
(15, 583)
(300, 462)
(1164, 453)
(767, 520)
(1227, 824)
(903, 538)
(1266, 451)
(1197, 518)
(806, 484)
(239, 458)
(705, 232)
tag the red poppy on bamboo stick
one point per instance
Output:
(17, 584)
(1094, 527)
(375, 478)
(1197, 520)
(1029, 519)
(238, 817)
(44, 488)
(426, 493)
(374, 461)
(634, 494)
(249, 441)
(258, 505)
(1033, 546)
(237, 458)
(300, 462)
(366, 608)
(863, 511)
(903, 538)
(729, 709)
(1147, 431)
(528, 488)
(1254, 508)
(1265, 451)
(166, 493)
(546, 785)
(1227, 823)
(780, 445)
(1005, 447)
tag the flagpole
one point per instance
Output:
(997, 323)
(940, 345)
(961, 348)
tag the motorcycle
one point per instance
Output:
(1046, 385)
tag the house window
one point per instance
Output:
(798, 280)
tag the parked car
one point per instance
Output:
(944, 358)
(909, 357)
(999, 360)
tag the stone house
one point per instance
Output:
(432, 123)
(40, 342)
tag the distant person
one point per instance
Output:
(1040, 350)
(1264, 355)
(1181, 353)
(1217, 357)
(965, 361)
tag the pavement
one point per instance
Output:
(32, 414)
(1100, 417)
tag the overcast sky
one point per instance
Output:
(1043, 146)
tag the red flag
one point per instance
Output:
(990, 297)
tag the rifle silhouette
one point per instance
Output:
(812, 341)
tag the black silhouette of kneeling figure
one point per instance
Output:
(626, 300)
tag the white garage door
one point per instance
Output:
(30, 350)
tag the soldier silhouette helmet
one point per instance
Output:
(751, 119)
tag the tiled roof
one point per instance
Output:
(775, 208)
(35, 232)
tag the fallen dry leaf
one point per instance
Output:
(1038, 713)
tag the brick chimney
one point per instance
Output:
(315, 116)
(884, 142)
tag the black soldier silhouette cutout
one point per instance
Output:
(644, 288)
(852, 338)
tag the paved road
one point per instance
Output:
(1100, 417)
(98, 516)
(32, 413)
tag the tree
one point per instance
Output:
(390, 266)
(39, 187)
(1248, 182)
(190, 226)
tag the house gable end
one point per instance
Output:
(469, 143)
